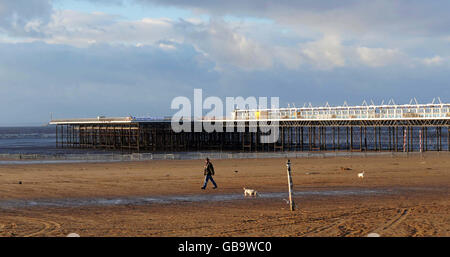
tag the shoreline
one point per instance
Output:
(17, 159)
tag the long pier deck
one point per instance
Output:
(405, 128)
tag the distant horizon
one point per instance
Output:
(24, 125)
(45, 123)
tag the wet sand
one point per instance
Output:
(408, 196)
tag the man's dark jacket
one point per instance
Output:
(209, 169)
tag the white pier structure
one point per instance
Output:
(363, 112)
(385, 127)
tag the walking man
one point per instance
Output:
(209, 172)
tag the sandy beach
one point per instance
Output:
(398, 196)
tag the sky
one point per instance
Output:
(85, 58)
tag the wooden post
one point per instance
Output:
(360, 137)
(411, 134)
(282, 138)
(138, 138)
(309, 138)
(351, 138)
(420, 140)
(375, 144)
(440, 138)
(396, 139)
(334, 143)
(365, 138)
(56, 127)
(437, 139)
(62, 136)
(320, 138)
(338, 139)
(348, 144)
(301, 135)
(291, 137)
(290, 185)
(424, 139)
(404, 139)
(390, 142)
(380, 143)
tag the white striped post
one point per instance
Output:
(290, 185)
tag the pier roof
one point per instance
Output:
(432, 111)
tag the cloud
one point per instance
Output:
(81, 64)
(82, 29)
(289, 57)
(223, 43)
(40, 78)
(433, 61)
(226, 46)
(103, 79)
(167, 46)
(24, 17)
(406, 17)
(325, 53)
(321, 34)
(247, 45)
(376, 57)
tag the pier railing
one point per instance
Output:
(369, 112)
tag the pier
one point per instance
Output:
(391, 127)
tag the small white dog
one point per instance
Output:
(361, 175)
(250, 192)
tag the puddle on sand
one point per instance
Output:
(78, 202)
